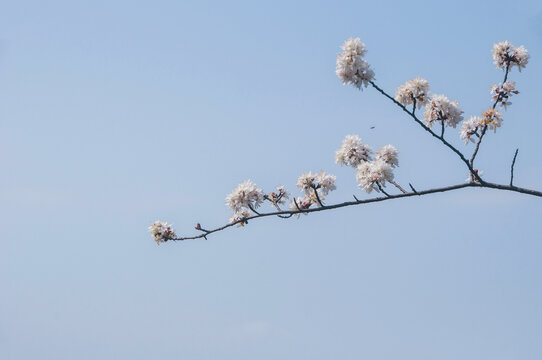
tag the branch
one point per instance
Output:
(367, 201)
(512, 168)
(441, 139)
(485, 126)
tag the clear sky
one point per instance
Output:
(117, 113)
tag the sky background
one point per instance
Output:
(117, 113)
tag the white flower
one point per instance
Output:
(280, 196)
(470, 127)
(505, 53)
(161, 231)
(353, 151)
(440, 108)
(492, 118)
(306, 182)
(302, 204)
(351, 68)
(326, 182)
(241, 216)
(388, 154)
(245, 195)
(502, 92)
(414, 89)
(374, 173)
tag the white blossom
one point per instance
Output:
(353, 151)
(280, 196)
(470, 127)
(373, 173)
(245, 195)
(316, 186)
(161, 231)
(414, 89)
(388, 154)
(503, 92)
(302, 204)
(241, 216)
(351, 67)
(326, 182)
(440, 108)
(492, 118)
(505, 53)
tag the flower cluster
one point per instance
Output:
(245, 196)
(389, 155)
(470, 127)
(279, 197)
(374, 174)
(240, 216)
(502, 92)
(315, 186)
(161, 231)
(505, 54)
(492, 119)
(413, 91)
(353, 151)
(440, 108)
(351, 67)
(371, 174)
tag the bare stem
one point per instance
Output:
(397, 186)
(512, 168)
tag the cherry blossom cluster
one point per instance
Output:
(316, 186)
(505, 54)
(372, 174)
(502, 92)
(161, 231)
(414, 91)
(440, 108)
(351, 67)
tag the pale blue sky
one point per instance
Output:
(117, 113)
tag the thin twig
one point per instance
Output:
(355, 197)
(512, 168)
(317, 196)
(412, 187)
(381, 189)
(254, 211)
(484, 129)
(398, 186)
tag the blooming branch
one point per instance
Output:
(376, 169)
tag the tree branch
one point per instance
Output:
(367, 201)
(442, 140)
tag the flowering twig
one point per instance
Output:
(446, 143)
(376, 169)
(367, 201)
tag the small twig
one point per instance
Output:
(317, 196)
(198, 227)
(398, 187)
(254, 211)
(442, 130)
(412, 187)
(512, 168)
(381, 189)
(355, 197)
(297, 206)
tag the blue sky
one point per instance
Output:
(115, 114)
